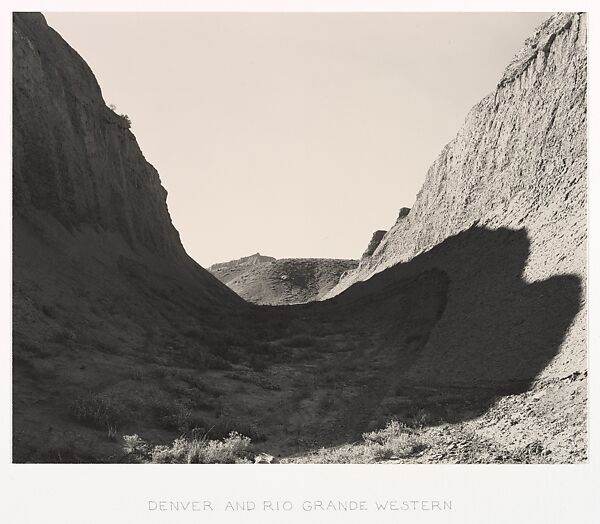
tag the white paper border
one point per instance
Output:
(119, 493)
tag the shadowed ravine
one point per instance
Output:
(439, 337)
(444, 334)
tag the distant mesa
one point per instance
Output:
(251, 260)
(268, 281)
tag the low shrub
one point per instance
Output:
(174, 416)
(98, 411)
(126, 120)
(195, 396)
(231, 450)
(346, 454)
(136, 448)
(402, 446)
(393, 429)
(248, 428)
(112, 433)
(395, 441)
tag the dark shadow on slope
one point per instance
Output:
(444, 335)
(435, 339)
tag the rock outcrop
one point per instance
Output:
(268, 281)
(373, 243)
(403, 213)
(519, 162)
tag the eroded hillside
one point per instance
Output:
(519, 161)
(266, 280)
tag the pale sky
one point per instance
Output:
(295, 135)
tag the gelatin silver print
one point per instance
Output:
(372, 249)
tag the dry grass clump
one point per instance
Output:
(395, 441)
(231, 450)
(401, 446)
(98, 411)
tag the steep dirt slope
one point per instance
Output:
(98, 268)
(266, 280)
(79, 170)
(519, 161)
